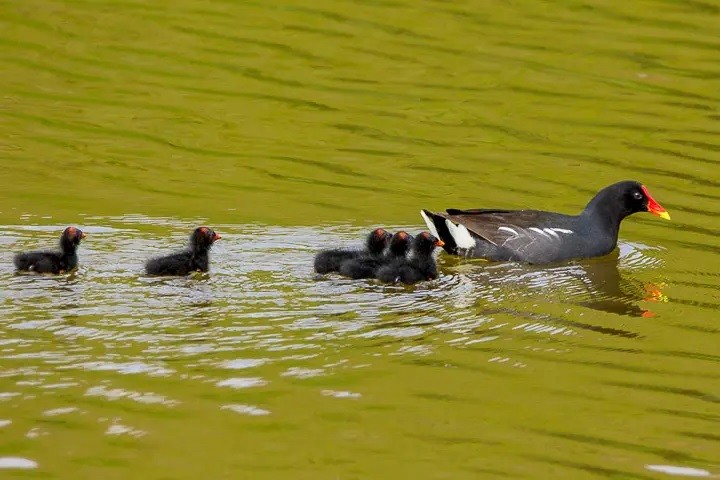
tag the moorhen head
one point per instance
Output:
(400, 244)
(377, 241)
(622, 199)
(203, 238)
(425, 243)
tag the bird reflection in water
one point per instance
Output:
(612, 292)
(608, 284)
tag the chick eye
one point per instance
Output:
(638, 196)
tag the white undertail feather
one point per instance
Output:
(564, 230)
(460, 234)
(430, 224)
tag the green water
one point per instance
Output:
(288, 126)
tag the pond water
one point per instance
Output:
(291, 126)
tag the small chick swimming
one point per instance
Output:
(330, 260)
(53, 262)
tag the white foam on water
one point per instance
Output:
(682, 471)
(17, 462)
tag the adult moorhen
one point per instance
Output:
(53, 262)
(420, 266)
(193, 259)
(330, 260)
(365, 266)
(538, 237)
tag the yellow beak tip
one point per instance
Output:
(664, 215)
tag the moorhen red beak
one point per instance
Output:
(654, 207)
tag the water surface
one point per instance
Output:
(293, 125)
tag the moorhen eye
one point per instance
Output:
(638, 196)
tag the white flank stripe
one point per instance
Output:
(540, 231)
(508, 229)
(551, 232)
(460, 234)
(430, 224)
(563, 230)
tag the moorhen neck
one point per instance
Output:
(194, 259)
(538, 237)
(420, 266)
(365, 266)
(53, 262)
(330, 260)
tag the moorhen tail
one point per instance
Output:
(330, 260)
(193, 259)
(53, 262)
(538, 237)
(365, 266)
(420, 266)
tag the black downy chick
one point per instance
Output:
(420, 266)
(330, 260)
(365, 266)
(53, 262)
(193, 259)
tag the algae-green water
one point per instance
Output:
(290, 126)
